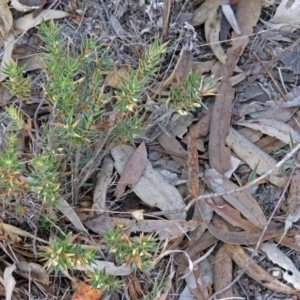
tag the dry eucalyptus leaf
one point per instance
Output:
(110, 268)
(117, 27)
(68, 211)
(271, 127)
(172, 145)
(253, 156)
(219, 153)
(102, 183)
(117, 76)
(212, 31)
(9, 281)
(289, 271)
(133, 170)
(6, 19)
(287, 13)
(246, 237)
(34, 271)
(241, 200)
(166, 229)
(32, 62)
(293, 199)
(231, 215)
(152, 188)
(200, 15)
(247, 16)
(257, 273)
(28, 21)
(223, 273)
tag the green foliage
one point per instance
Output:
(82, 114)
(137, 253)
(17, 84)
(11, 167)
(190, 93)
(43, 179)
(63, 254)
(100, 280)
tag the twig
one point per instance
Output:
(271, 62)
(269, 74)
(240, 189)
(258, 243)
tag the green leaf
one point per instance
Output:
(252, 175)
(238, 179)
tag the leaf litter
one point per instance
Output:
(229, 221)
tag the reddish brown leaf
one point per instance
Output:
(193, 165)
(243, 237)
(231, 215)
(241, 258)
(223, 273)
(219, 153)
(133, 170)
(85, 292)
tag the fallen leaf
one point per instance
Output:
(247, 237)
(110, 268)
(8, 229)
(201, 13)
(133, 170)
(271, 127)
(152, 188)
(252, 155)
(256, 272)
(231, 215)
(32, 62)
(179, 124)
(28, 21)
(36, 273)
(202, 127)
(289, 271)
(5, 18)
(171, 144)
(102, 183)
(9, 281)
(288, 242)
(219, 153)
(197, 285)
(241, 200)
(293, 198)
(230, 17)
(275, 112)
(68, 211)
(192, 163)
(86, 292)
(164, 228)
(117, 27)
(117, 76)
(287, 13)
(247, 15)
(212, 31)
(223, 273)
